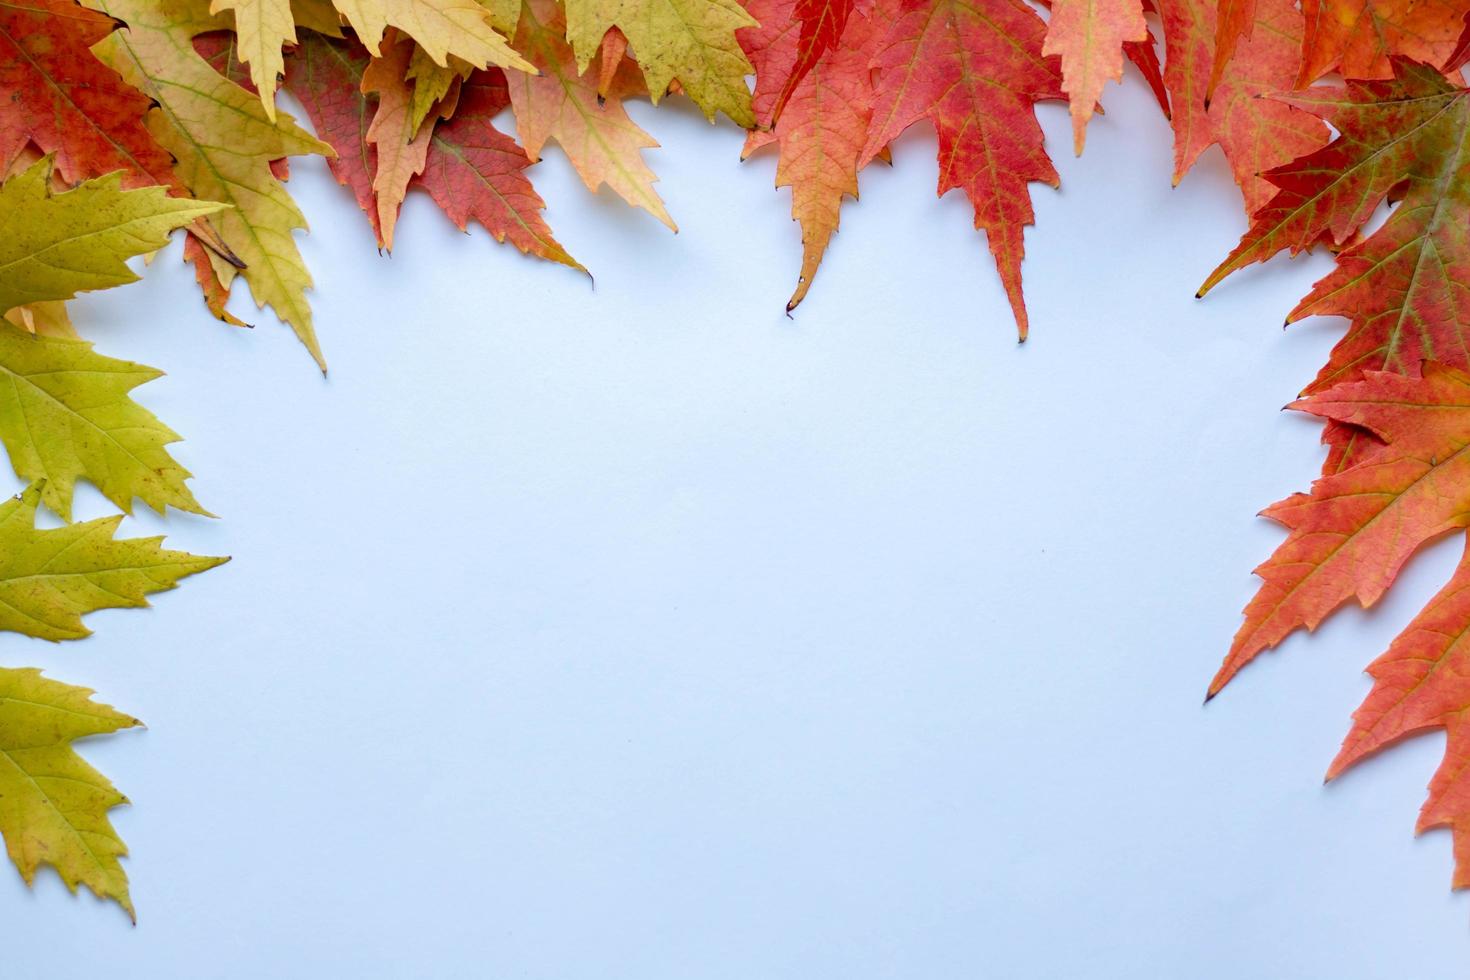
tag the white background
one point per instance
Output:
(638, 631)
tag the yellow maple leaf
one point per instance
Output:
(65, 413)
(51, 577)
(53, 805)
(223, 143)
(689, 40)
(460, 29)
(53, 246)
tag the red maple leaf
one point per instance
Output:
(819, 26)
(476, 172)
(59, 96)
(975, 73)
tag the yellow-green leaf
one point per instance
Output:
(431, 83)
(65, 413)
(691, 40)
(223, 143)
(50, 578)
(53, 246)
(261, 28)
(53, 805)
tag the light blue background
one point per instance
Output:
(636, 631)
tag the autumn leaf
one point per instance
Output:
(261, 28)
(819, 28)
(400, 148)
(50, 578)
(1358, 37)
(58, 95)
(1234, 21)
(475, 172)
(325, 76)
(1350, 536)
(443, 29)
(1088, 36)
(1145, 57)
(1256, 132)
(689, 40)
(53, 804)
(431, 83)
(602, 143)
(65, 413)
(224, 143)
(1402, 287)
(975, 71)
(53, 246)
(1420, 684)
(822, 133)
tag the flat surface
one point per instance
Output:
(638, 631)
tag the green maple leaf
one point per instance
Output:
(53, 246)
(50, 578)
(65, 413)
(53, 805)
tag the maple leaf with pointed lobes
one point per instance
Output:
(65, 413)
(50, 578)
(1422, 683)
(1350, 536)
(1359, 37)
(975, 70)
(325, 76)
(475, 172)
(1403, 287)
(53, 805)
(223, 143)
(1256, 133)
(431, 83)
(821, 134)
(602, 143)
(689, 40)
(53, 246)
(401, 149)
(1088, 36)
(59, 96)
(1406, 287)
(443, 28)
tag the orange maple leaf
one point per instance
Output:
(824, 128)
(1358, 37)
(1089, 35)
(1421, 683)
(401, 154)
(1256, 133)
(1350, 536)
